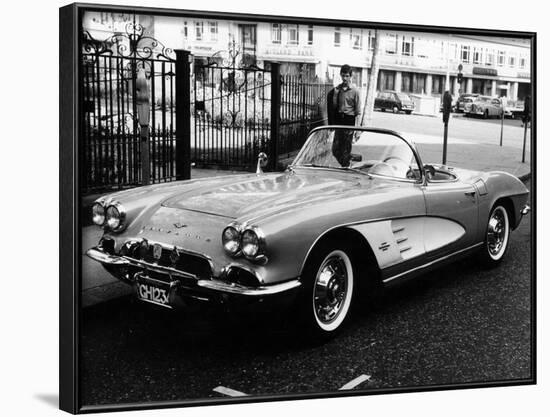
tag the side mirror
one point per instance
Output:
(262, 163)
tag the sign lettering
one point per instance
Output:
(157, 295)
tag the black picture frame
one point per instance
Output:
(70, 303)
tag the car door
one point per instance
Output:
(378, 100)
(451, 215)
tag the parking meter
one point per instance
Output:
(142, 98)
(142, 104)
(447, 106)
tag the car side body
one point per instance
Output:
(393, 101)
(484, 106)
(404, 224)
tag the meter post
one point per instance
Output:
(143, 107)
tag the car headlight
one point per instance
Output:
(98, 214)
(231, 240)
(252, 243)
(115, 216)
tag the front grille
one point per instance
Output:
(185, 262)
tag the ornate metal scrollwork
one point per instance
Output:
(131, 44)
(233, 58)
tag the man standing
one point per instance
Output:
(343, 108)
(343, 102)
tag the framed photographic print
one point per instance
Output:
(260, 208)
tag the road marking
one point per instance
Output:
(353, 383)
(229, 392)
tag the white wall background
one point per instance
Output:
(29, 207)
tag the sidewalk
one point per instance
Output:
(98, 285)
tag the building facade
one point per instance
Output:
(410, 62)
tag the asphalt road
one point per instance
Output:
(460, 324)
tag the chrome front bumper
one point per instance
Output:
(210, 285)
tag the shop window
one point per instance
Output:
(276, 33)
(465, 54)
(391, 44)
(292, 35)
(213, 31)
(337, 36)
(407, 82)
(501, 58)
(438, 83)
(386, 80)
(419, 83)
(310, 35)
(356, 38)
(408, 46)
(199, 30)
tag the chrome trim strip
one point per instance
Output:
(105, 258)
(214, 285)
(431, 263)
(252, 271)
(379, 219)
(232, 288)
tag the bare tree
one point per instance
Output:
(368, 107)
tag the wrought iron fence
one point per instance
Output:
(230, 110)
(111, 130)
(303, 107)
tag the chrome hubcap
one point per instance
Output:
(331, 286)
(496, 232)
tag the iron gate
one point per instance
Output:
(231, 110)
(240, 109)
(112, 137)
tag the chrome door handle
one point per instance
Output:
(470, 193)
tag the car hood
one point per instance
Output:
(248, 195)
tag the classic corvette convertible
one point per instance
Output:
(356, 211)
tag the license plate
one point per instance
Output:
(154, 291)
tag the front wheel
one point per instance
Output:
(327, 291)
(497, 236)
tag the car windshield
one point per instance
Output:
(368, 152)
(403, 97)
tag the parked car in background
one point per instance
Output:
(396, 102)
(310, 242)
(483, 106)
(462, 100)
(514, 109)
